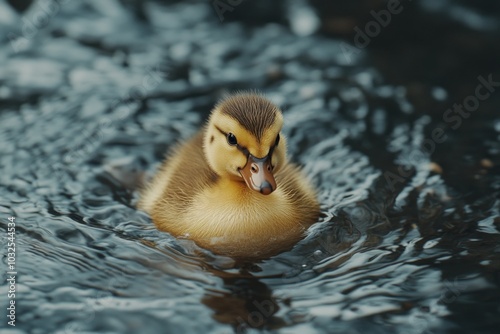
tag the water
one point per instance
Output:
(408, 240)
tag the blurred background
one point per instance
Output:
(392, 108)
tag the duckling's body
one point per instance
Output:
(202, 192)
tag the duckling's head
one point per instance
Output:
(243, 141)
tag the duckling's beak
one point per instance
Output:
(258, 175)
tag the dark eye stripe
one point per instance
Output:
(244, 150)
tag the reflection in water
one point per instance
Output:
(402, 244)
(246, 303)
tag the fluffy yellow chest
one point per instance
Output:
(234, 219)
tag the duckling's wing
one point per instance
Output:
(191, 174)
(184, 173)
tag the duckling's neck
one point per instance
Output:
(234, 190)
(233, 203)
(228, 216)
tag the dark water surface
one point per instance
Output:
(409, 237)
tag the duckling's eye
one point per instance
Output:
(277, 140)
(231, 139)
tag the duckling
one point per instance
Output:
(231, 188)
